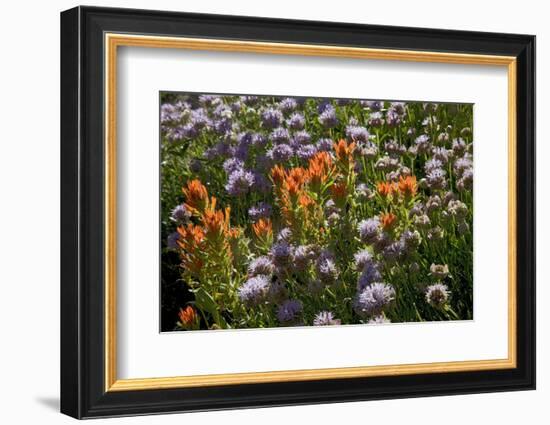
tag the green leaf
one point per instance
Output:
(205, 302)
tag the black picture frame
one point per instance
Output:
(83, 392)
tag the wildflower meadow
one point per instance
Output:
(294, 211)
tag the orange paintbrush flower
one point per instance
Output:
(339, 192)
(320, 166)
(385, 188)
(196, 196)
(297, 175)
(278, 175)
(407, 186)
(263, 228)
(188, 317)
(216, 223)
(191, 235)
(234, 232)
(191, 242)
(292, 188)
(344, 151)
(388, 221)
(305, 201)
(295, 180)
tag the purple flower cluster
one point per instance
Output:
(289, 311)
(260, 210)
(437, 295)
(325, 318)
(261, 266)
(369, 230)
(239, 182)
(254, 290)
(374, 298)
(328, 118)
(271, 118)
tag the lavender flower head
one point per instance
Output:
(244, 138)
(466, 182)
(417, 209)
(302, 256)
(261, 266)
(461, 164)
(443, 138)
(363, 191)
(374, 105)
(271, 118)
(254, 290)
(422, 221)
(239, 182)
(376, 119)
(325, 318)
(422, 143)
(232, 164)
(223, 126)
(411, 240)
(379, 320)
(172, 240)
(326, 268)
(433, 203)
(369, 274)
(324, 145)
(280, 135)
(169, 114)
(327, 117)
(280, 254)
(180, 214)
(199, 118)
(357, 133)
(437, 295)
(362, 258)
(249, 100)
(441, 154)
(208, 99)
(372, 300)
(393, 119)
(394, 251)
(368, 230)
(188, 131)
(394, 149)
(387, 163)
(296, 121)
(280, 153)
(436, 179)
(459, 146)
(306, 152)
(301, 137)
(260, 210)
(258, 140)
(458, 209)
(288, 105)
(399, 107)
(432, 164)
(367, 149)
(289, 311)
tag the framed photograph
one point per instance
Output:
(261, 212)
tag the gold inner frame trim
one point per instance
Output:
(113, 41)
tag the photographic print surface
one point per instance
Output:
(296, 211)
